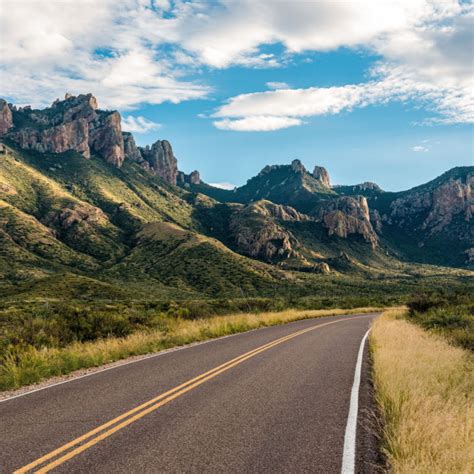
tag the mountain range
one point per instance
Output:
(87, 212)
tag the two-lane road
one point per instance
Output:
(271, 400)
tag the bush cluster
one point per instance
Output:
(448, 313)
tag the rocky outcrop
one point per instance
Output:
(348, 215)
(297, 166)
(74, 123)
(79, 217)
(367, 186)
(322, 176)
(321, 267)
(77, 124)
(6, 117)
(131, 150)
(161, 160)
(105, 138)
(59, 139)
(269, 209)
(439, 206)
(376, 220)
(184, 179)
(257, 233)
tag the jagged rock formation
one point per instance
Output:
(184, 179)
(297, 166)
(157, 159)
(257, 232)
(77, 124)
(348, 215)
(74, 123)
(440, 205)
(290, 185)
(6, 117)
(161, 160)
(132, 152)
(322, 176)
(367, 186)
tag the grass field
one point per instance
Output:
(425, 390)
(26, 364)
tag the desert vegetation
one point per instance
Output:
(63, 339)
(424, 388)
(448, 313)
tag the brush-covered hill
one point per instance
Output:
(85, 212)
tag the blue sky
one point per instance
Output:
(373, 91)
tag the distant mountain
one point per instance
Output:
(85, 211)
(418, 225)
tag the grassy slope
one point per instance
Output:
(36, 188)
(425, 389)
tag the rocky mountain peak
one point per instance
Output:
(297, 166)
(321, 174)
(161, 160)
(75, 123)
(184, 179)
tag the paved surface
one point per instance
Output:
(283, 409)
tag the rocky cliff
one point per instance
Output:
(161, 160)
(348, 215)
(257, 231)
(74, 123)
(440, 206)
(77, 124)
(322, 176)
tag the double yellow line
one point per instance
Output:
(84, 442)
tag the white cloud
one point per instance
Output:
(87, 46)
(426, 50)
(257, 123)
(228, 186)
(129, 52)
(277, 85)
(232, 31)
(420, 149)
(138, 124)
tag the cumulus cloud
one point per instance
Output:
(257, 123)
(87, 46)
(139, 124)
(129, 52)
(426, 50)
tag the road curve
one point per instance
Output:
(270, 400)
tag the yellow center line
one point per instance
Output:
(152, 405)
(130, 412)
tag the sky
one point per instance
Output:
(376, 90)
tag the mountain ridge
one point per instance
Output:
(73, 206)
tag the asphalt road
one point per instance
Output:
(281, 408)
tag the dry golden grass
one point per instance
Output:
(425, 389)
(33, 365)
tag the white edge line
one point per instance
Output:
(350, 437)
(163, 352)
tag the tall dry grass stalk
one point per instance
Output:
(32, 365)
(425, 389)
